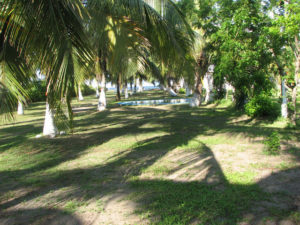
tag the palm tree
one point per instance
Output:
(52, 33)
(132, 30)
(47, 32)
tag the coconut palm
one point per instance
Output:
(132, 30)
(46, 32)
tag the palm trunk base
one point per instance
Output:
(102, 100)
(20, 108)
(49, 125)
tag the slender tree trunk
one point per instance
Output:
(102, 97)
(209, 86)
(171, 92)
(196, 101)
(297, 70)
(140, 85)
(126, 90)
(131, 88)
(49, 126)
(284, 106)
(80, 97)
(118, 97)
(134, 90)
(20, 108)
(200, 71)
(97, 89)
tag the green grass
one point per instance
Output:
(179, 165)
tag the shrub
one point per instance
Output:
(181, 91)
(272, 144)
(87, 90)
(37, 91)
(262, 106)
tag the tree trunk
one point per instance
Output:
(134, 90)
(171, 92)
(49, 126)
(126, 90)
(297, 70)
(200, 71)
(118, 97)
(131, 88)
(97, 89)
(20, 108)
(209, 86)
(102, 97)
(284, 106)
(80, 97)
(196, 101)
(140, 85)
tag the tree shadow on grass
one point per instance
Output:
(204, 198)
(38, 216)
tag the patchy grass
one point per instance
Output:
(148, 164)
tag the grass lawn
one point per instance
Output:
(168, 164)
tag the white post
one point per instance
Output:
(49, 125)
(102, 98)
(20, 108)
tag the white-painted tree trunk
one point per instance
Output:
(209, 97)
(131, 89)
(196, 100)
(20, 108)
(188, 90)
(181, 83)
(80, 97)
(162, 87)
(102, 98)
(126, 91)
(97, 90)
(208, 85)
(140, 85)
(171, 92)
(49, 126)
(284, 107)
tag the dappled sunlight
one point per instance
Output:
(167, 164)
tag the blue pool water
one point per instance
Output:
(157, 102)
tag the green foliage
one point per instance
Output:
(243, 57)
(37, 91)
(181, 91)
(262, 106)
(87, 90)
(272, 144)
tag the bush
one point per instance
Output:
(87, 90)
(262, 106)
(272, 144)
(37, 91)
(181, 91)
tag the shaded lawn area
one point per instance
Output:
(156, 164)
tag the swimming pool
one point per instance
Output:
(157, 102)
